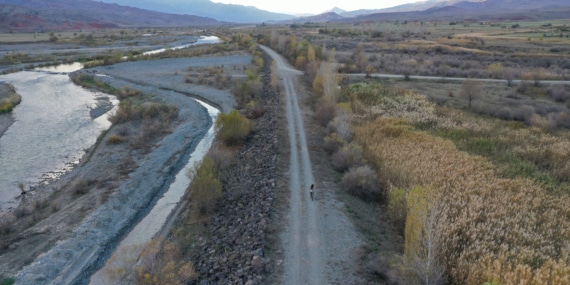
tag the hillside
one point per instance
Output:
(206, 8)
(477, 11)
(61, 15)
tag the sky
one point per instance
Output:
(315, 6)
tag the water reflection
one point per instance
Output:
(53, 125)
(62, 68)
(201, 40)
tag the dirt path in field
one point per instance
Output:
(319, 242)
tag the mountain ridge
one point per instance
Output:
(206, 8)
(60, 15)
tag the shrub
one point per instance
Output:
(558, 93)
(205, 188)
(361, 182)
(233, 128)
(347, 157)
(341, 124)
(6, 222)
(156, 262)
(397, 208)
(333, 143)
(325, 112)
(246, 91)
(81, 187)
(221, 157)
(115, 139)
(8, 103)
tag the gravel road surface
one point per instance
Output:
(319, 241)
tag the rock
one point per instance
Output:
(233, 253)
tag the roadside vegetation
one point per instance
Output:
(479, 196)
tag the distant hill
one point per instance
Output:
(321, 18)
(60, 15)
(477, 11)
(206, 8)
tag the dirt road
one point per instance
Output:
(319, 240)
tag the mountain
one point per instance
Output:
(336, 10)
(476, 11)
(321, 18)
(416, 6)
(60, 15)
(424, 5)
(206, 8)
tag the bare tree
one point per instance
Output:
(471, 90)
(426, 261)
(538, 75)
(509, 75)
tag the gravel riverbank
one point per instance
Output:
(87, 246)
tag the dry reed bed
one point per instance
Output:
(511, 230)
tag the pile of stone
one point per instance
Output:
(234, 250)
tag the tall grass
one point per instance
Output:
(510, 229)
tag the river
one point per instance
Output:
(52, 127)
(54, 124)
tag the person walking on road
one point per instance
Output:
(312, 192)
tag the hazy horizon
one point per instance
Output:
(315, 7)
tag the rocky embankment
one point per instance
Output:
(234, 251)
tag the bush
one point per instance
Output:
(397, 208)
(325, 112)
(8, 103)
(333, 143)
(221, 157)
(341, 125)
(361, 182)
(347, 157)
(558, 93)
(246, 91)
(205, 188)
(233, 128)
(115, 139)
(6, 223)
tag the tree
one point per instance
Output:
(423, 241)
(538, 75)
(509, 75)
(471, 90)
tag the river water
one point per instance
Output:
(53, 126)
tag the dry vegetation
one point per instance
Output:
(8, 98)
(477, 199)
(488, 227)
